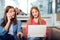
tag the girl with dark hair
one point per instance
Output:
(10, 27)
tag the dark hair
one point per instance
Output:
(5, 16)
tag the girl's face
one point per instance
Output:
(11, 12)
(34, 13)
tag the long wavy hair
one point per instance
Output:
(14, 20)
(31, 16)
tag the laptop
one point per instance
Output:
(37, 30)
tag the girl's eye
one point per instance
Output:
(10, 11)
(35, 11)
(32, 12)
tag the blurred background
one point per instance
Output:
(50, 10)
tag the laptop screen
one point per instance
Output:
(37, 30)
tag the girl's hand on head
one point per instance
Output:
(9, 17)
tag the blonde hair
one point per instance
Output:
(31, 16)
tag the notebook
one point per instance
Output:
(37, 30)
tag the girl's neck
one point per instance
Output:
(36, 20)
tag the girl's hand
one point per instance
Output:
(9, 17)
(20, 34)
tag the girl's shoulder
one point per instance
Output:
(44, 21)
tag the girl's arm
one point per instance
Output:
(7, 26)
(46, 28)
(19, 29)
(3, 30)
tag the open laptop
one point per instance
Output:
(37, 30)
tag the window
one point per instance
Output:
(57, 6)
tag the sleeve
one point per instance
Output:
(46, 28)
(2, 30)
(27, 28)
(26, 31)
(19, 29)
